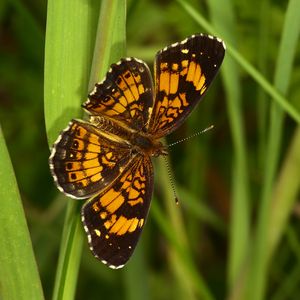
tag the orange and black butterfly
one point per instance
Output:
(108, 157)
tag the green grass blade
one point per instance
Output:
(111, 34)
(257, 76)
(188, 280)
(264, 28)
(18, 272)
(285, 193)
(290, 283)
(70, 35)
(287, 50)
(69, 44)
(136, 286)
(69, 254)
(224, 22)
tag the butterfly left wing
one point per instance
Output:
(113, 220)
(125, 95)
(183, 72)
(84, 160)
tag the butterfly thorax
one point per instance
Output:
(146, 144)
(140, 142)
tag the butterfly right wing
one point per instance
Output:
(183, 73)
(83, 161)
(114, 219)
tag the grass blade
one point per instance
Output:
(287, 50)
(189, 280)
(257, 76)
(18, 273)
(240, 212)
(70, 39)
(285, 193)
(69, 42)
(111, 39)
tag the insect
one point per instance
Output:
(108, 157)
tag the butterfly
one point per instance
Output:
(108, 157)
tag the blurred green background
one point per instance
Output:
(236, 228)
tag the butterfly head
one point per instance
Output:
(159, 149)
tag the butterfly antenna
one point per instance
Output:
(171, 180)
(191, 136)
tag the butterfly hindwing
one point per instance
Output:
(114, 219)
(125, 95)
(83, 161)
(183, 72)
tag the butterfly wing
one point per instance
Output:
(183, 72)
(125, 95)
(113, 220)
(83, 161)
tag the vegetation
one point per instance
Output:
(235, 233)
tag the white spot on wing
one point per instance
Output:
(116, 267)
(140, 61)
(184, 41)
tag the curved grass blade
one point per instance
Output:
(18, 272)
(285, 193)
(240, 211)
(189, 280)
(261, 256)
(256, 75)
(70, 40)
(69, 44)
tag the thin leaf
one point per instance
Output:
(69, 42)
(285, 193)
(79, 36)
(223, 19)
(287, 50)
(18, 272)
(257, 76)
(189, 281)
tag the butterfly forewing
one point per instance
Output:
(183, 72)
(83, 161)
(125, 95)
(114, 219)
